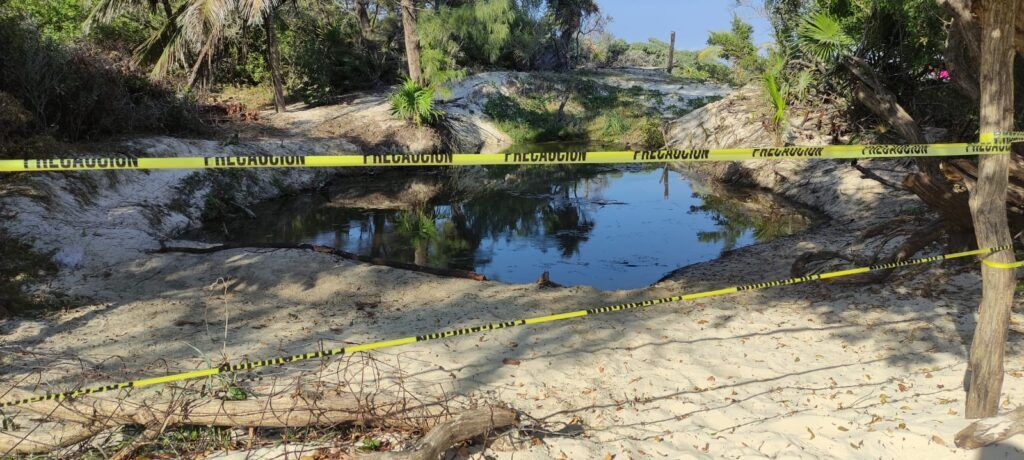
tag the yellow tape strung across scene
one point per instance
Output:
(249, 365)
(481, 159)
(1002, 264)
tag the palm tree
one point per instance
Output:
(195, 28)
(412, 41)
(570, 15)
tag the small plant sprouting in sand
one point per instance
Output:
(414, 102)
(372, 444)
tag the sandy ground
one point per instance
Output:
(809, 371)
(797, 372)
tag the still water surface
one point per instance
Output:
(606, 227)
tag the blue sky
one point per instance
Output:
(638, 20)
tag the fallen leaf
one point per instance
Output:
(884, 398)
(902, 426)
(608, 456)
(843, 428)
(902, 387)
(811, 432)
(511, 362)
(938, 440)
(711, 379)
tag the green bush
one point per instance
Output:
(414, 102)
(77, 92)
(332, 58)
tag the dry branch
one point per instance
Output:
(80, 420)
(991, 430)
(447, 272)
(462, 427)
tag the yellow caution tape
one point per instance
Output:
(250, 365)
(534, 158)
(1004, 137)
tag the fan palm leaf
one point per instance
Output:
(822, 37)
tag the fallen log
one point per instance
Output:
(447, 272)
(460, 428)
(78, 420)
(991, 430)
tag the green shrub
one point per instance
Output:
(77, 92)
(332, 58)
(414, 102)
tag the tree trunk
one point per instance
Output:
(273, 61)
(963, 47)
(988, 207)
(420, 254)
(167, 8)
(871, 92)
(364, 19)
(412, 41)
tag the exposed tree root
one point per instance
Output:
(915, 242)
(991, 430)
(447, 272)
(461, 428)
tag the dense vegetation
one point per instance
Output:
(119, 66)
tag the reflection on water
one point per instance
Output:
(604, 227)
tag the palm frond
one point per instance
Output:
(822, 37)
(105, 11)
(414, 102)
(255, 11)
(709, 54)
(165, 47)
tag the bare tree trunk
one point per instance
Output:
(273, 61)
(412, 41)
(365, 29)
(988, 207)
(167, 8)
(963, 47)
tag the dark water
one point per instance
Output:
(604, 227)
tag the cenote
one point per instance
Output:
(610, 227)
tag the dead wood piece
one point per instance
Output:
(78, 420)
(462, 427)
(940, 195)
(447, 272)
(544, 281)
(869, 174)
(991, 430)
(918, 240)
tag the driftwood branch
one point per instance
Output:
(991, 430)
(447, 272)
(869, 174)
(462, 427)
(78, 420)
